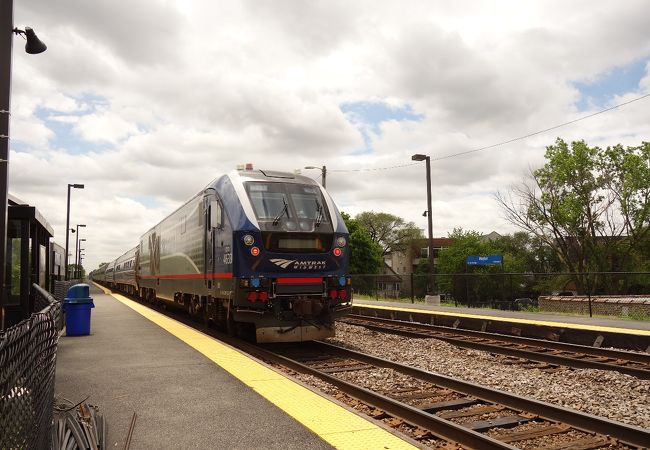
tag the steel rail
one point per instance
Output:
(442, 333)
(439, 427)
(627, 434)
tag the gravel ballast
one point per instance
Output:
(603, 393)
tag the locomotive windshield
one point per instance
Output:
(286, 212)
(287, 202)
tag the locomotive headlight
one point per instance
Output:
(249, 239)
(340, 241)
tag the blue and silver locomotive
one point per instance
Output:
(258, 252)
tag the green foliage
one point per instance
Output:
(365, 254)
(466, 243)
(392, 233)
(590, 206)
(453, 260)
(76, 271)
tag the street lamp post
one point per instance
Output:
(78, 266)
(33, 46)
(76, 248)
(323, 171)
(67, 228)
(419, 157)
(78, 252)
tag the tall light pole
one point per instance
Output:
(78, 266)
(81, 255)
(33, 46)
(78, 247)
(323, 171)
(419, 157)
(67, 228)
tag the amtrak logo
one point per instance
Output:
(300, 265)
(284, 263)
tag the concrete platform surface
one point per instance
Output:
(518, 315)
(182, 399)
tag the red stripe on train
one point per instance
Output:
(188, 276)
(299, 280)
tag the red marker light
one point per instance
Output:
(255, 251)
(337, 251)
(264, 296)
(252, 296)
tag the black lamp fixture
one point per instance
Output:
(323, 171)
(34, 45)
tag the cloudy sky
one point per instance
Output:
(145, 102)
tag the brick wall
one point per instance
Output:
(610, 305)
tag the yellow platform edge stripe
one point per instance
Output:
(331, 422)
(577, 326)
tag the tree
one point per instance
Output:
(392, 233)
(365, 254)
(452, 260)
(523, 252)
(76, 271)
(586, 204)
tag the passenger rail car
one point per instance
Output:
(254, 251)
(124, 272)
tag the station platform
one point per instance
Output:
(621, 325)
(583, 330)
(191, 391)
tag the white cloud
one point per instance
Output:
(164, 96)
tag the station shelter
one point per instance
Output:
(27, 261)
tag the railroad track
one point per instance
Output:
(440, 411)
(438, 408)
(549, 353)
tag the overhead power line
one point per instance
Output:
(453, 155)
(373, 168)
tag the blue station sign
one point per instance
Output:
(484, 260)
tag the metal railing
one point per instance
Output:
(27, 368)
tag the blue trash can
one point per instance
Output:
(76, 306)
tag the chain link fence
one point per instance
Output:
(27, 368)
(607, 293)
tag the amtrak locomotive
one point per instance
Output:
(258, 252)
